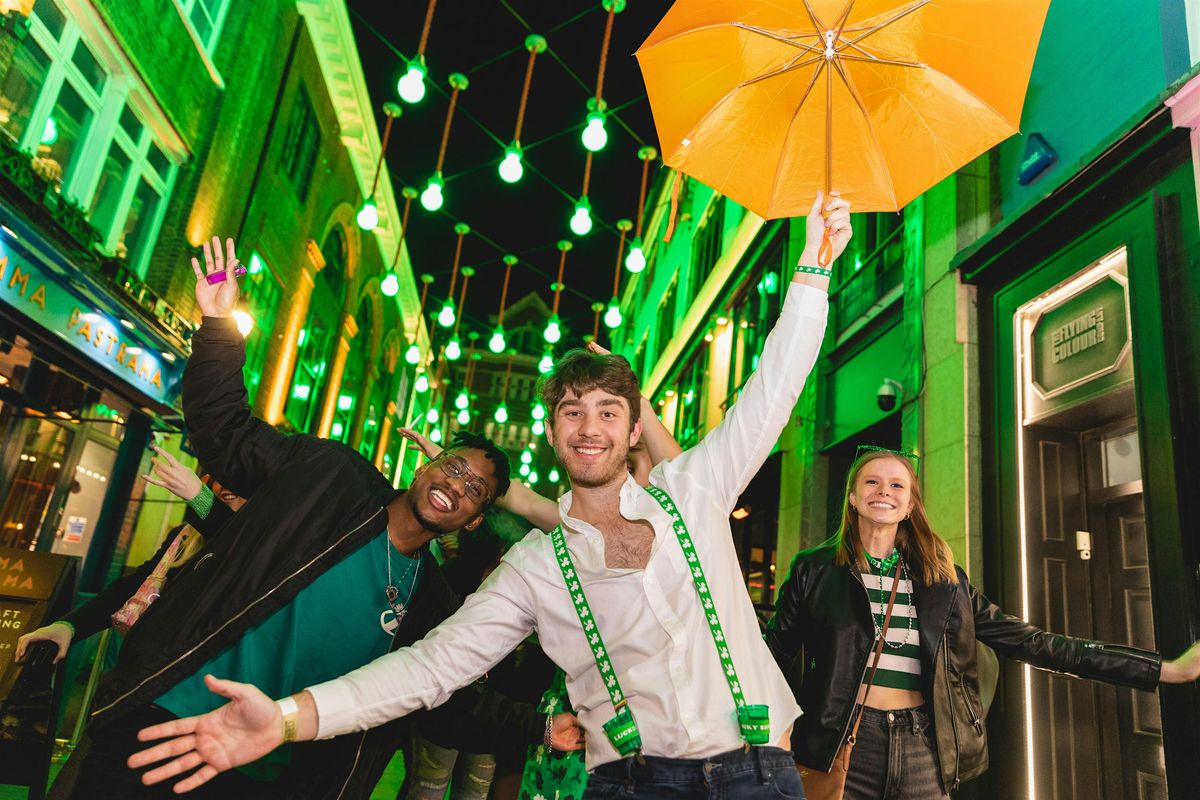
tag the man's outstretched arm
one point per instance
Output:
(239, 449)
(490, 624)
(732, 453)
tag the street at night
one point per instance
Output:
(511, 400)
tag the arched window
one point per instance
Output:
(333, 250)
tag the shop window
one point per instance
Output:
(313, 346)
(205, 17)
(300, 144)
(874, 269)
(263, 293)
(60, 103)
(706, 247)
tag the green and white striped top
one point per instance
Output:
(900, 662)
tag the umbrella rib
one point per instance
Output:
(781, 71)
(891, 62)
(783, 149)
(812, 15)
(779, 37)
(840, 25)
(904, 12)
(870, 128)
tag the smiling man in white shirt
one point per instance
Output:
(637, 596)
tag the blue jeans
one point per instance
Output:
(895, 758)
(763, 773)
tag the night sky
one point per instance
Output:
(483, 39)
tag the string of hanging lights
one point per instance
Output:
(390, 285)
(594, 135)
(510, 167)
(612, 317)
(432, 198)
(446, 315)
(635, 262)
(463, 401)
(501, 414)
(413, 354)
(453, 347)
(497, 343)
(368, 214)
(553, 332)
(411, 86)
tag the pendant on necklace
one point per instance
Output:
(392, 593)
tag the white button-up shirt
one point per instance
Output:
(651, 619)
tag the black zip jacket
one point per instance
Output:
(311, 503)
(824, 616)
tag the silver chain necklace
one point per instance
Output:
(392, 592)
(911, 611)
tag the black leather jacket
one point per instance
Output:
(823, 614)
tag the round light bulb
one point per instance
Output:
(538, 411)
(553, 476)
(49, 132)
(390, 285)
(501, 415)
(511, 169)
(411, 87)
(453, 350)
(538, 427)
(523, 470)
(413, 354)
(431, 198)
(497, 344)
(635, 261)
(462, 401)
(464, 417)
(431, 416)
(612, 317)
(533, 477)
(368, 215)
(546, 364)
(245, 322)
(445, 317)
(581, 220)
(594, 135)
(552, 333)
(526, 457)
(422, 384)
(435, 435)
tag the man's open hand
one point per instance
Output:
(216, 299)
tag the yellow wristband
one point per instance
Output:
(291, 718)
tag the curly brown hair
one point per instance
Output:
(579, 371)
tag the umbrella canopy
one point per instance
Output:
(771, 102)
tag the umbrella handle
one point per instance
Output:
(825, 252)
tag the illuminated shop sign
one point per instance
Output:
(37, 293)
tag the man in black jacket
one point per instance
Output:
(325, 568)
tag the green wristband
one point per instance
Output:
(69, 625)
(202, 503)
(814, 271)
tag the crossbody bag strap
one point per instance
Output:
(887, 619)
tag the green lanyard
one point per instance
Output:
(622, 730)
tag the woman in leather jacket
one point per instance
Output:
(925, 698)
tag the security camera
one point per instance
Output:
(888, 393)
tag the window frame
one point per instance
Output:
(185, 10)
(82, 178)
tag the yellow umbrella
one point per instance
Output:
(771, 102)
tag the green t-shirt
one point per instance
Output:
(337, 623)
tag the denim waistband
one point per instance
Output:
(735, 763)
(896, 717)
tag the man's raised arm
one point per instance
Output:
(239, 449)
(732, 453)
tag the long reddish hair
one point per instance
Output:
(920, 547)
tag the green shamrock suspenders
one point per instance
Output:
(622, 730)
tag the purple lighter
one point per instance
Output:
(217, 277)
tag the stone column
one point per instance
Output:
(280, 362)
(333, 384)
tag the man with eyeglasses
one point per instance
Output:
(323, 570)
